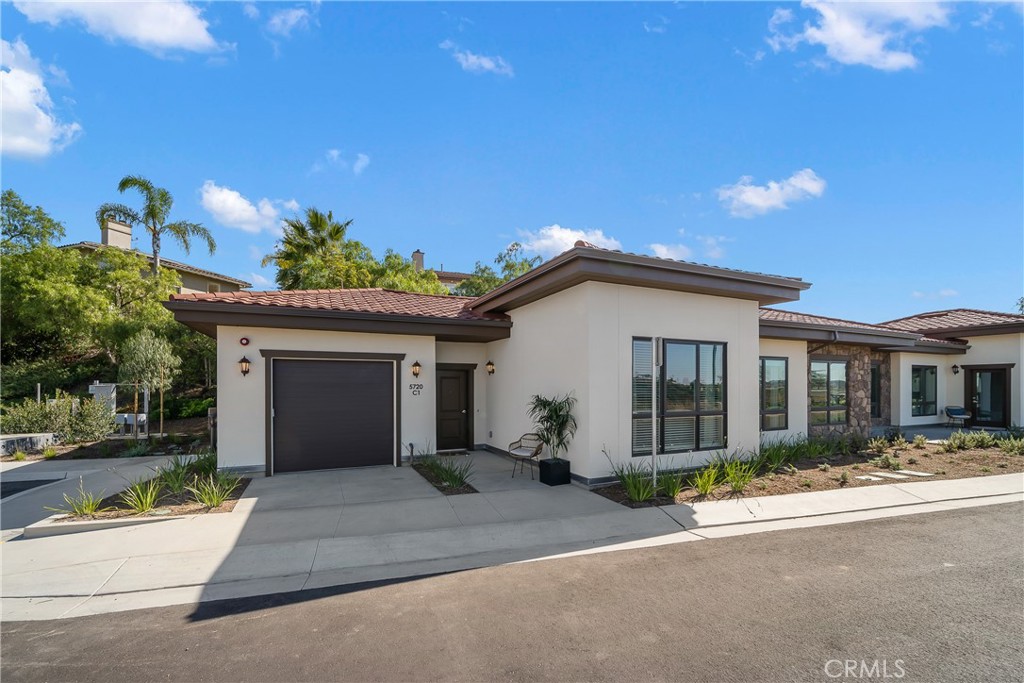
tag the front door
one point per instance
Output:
(988, 396)
(453, 410)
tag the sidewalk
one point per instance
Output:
(205, 558)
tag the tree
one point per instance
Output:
(25, 227)
(484, 278)
(156, 208)
(147, 360)
(316, 254)
(1020, 305)
(397, 272)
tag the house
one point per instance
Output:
(193, 279)
(449, 278)
(343, 378)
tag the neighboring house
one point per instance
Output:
(345, 378)
(192, 279)
(449, 278)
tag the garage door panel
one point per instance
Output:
(330, 414)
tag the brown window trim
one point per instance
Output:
(775, 411)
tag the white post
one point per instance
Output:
(655, 364)
(39, 392)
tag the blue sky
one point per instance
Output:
(874, 150)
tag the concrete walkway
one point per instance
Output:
(293, 532)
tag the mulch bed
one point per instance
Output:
(807, 477)
(440, 486)
(169, 505)
(188, 433)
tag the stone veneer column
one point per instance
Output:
(858, 388)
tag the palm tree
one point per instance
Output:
(156, 206)
(315, 254)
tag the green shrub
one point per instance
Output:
(72, 420)
(775, 454)
(1012, 446)
(920, 440)
(980, 440)
(19, 455)
(807, 483)
(957, 441)
(637, 480)
(141, 495)
(212, 490)
(205, 464)
(82, 504)
(455, 471)
(900, 443)
(824, 467)
(911, 461)
(878, 445)
(738, 474)
(671, 483)
(135, 451)
(844, 478)
(175, 476)
(49, 453)
(21, 376)
(886, 462)
(705, 480)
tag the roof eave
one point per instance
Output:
(582, 264)
(206, 316)
(175, 265)
(773, 329)
(977, 330)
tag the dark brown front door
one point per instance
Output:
(332, 413)
(453, 410)
(988, 396)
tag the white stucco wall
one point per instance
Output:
(994, 349)
(902, 388)
(459, 352)
(796, 352)
(241, 404)
(581, 340)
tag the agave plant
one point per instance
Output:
(556, 425)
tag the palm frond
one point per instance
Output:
(118, 212)
(183, 231)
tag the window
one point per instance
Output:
(691, 397)
(212, 288)
(828, 392)
(923, 380)
(876, 389)
(774, 388)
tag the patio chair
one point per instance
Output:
(527, 448)
(956, 416)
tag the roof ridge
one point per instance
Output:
(588, 245)
(924, 314)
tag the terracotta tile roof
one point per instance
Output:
(380, 301)
(175, 265)
(953, 319)
(451, 275)
(776, 315)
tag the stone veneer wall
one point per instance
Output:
(858, 387)
(885, 368)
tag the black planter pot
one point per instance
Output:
(554, 472)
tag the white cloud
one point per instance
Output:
(877, 34)
(283, 22)
(712, 244)
(230, 208)
(360, 164)
(261, 281)
(31, 127)
(678, 252)
(251, 10)
(255, 253)
(157, 27)
(290, 204)
(552, 240)
(746, 200)
(474, 63)
(659, 26)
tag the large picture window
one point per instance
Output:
(774, 390)
(691, 396)
(923, 389)
(828, 392)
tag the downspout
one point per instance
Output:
(835, 340)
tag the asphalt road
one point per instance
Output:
(930, 597)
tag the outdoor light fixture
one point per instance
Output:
(956, 369)
(243, 365)
(490, 367)
(416, 369)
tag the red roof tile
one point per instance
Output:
(380, 301)
(776, 315)
(953, 319)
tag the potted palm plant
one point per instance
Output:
(556, 426)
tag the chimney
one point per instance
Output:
(116, 235)
(417, 260)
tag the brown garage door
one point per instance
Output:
(332, 413)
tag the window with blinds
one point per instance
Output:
(691, 396)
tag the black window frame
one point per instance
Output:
(935, 391)
(875, 389)
(696, 413)
(829, 408)
(774, 411)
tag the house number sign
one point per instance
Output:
(416, 389)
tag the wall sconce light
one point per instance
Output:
(416, 369)
(956, 369)
(243, 365)
(490, 367)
